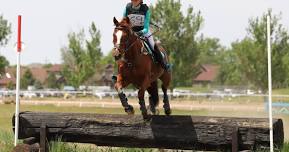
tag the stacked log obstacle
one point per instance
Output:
(168, 132)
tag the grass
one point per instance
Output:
(6, 141)
(6, 145)
(285, 147)
(284, 91)
(66, 147)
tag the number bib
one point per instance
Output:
(136, 19)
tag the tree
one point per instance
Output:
(210, 49)
(252, 52)
(230, 73)
(38, 85)
(81, 57)
(3, 63)
(5, 30)
(108, 59)
(10, 85)
(27, 79)
(51, 81)
(178, 36)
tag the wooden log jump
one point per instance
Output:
(168, 132)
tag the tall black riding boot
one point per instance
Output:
(160, 58)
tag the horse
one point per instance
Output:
(136, 66)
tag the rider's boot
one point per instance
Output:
(160, 58)
(114, 78)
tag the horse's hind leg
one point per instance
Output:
(154, 97)
(145, 85)
(166, 106)
(166, 79)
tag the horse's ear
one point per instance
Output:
(115, 21)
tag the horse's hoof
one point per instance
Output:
(151, 110)
(129, 110)
(168, 112)
(157, 112)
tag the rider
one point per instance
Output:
(139, 15)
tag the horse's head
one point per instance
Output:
(123, 36)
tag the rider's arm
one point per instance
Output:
(147, 22)
(125, 13)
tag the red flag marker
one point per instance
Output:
(19, 43)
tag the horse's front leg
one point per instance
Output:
(119, 85)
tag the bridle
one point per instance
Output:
(127, 45)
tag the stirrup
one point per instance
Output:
(113, 78)
(167, 67)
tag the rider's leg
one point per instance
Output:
(156, 50)
(150, 39)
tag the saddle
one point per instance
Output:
(149, 51)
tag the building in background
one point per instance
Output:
(207, 76)
(39, 73)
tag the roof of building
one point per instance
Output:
(208, 73)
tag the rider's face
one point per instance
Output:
(135, 2)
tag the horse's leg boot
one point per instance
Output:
(166, 106)
(127, 108)
(143, 109)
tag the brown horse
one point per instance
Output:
(136, 67)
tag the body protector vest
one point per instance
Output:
(137, 16)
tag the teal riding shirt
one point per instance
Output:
(139, 18)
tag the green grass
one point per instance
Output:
(285, 147)
(66, 147)
(6, 145)
(6, 141)
(284, 91)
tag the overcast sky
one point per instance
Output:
(46, 23)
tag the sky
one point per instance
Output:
(46, 23)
